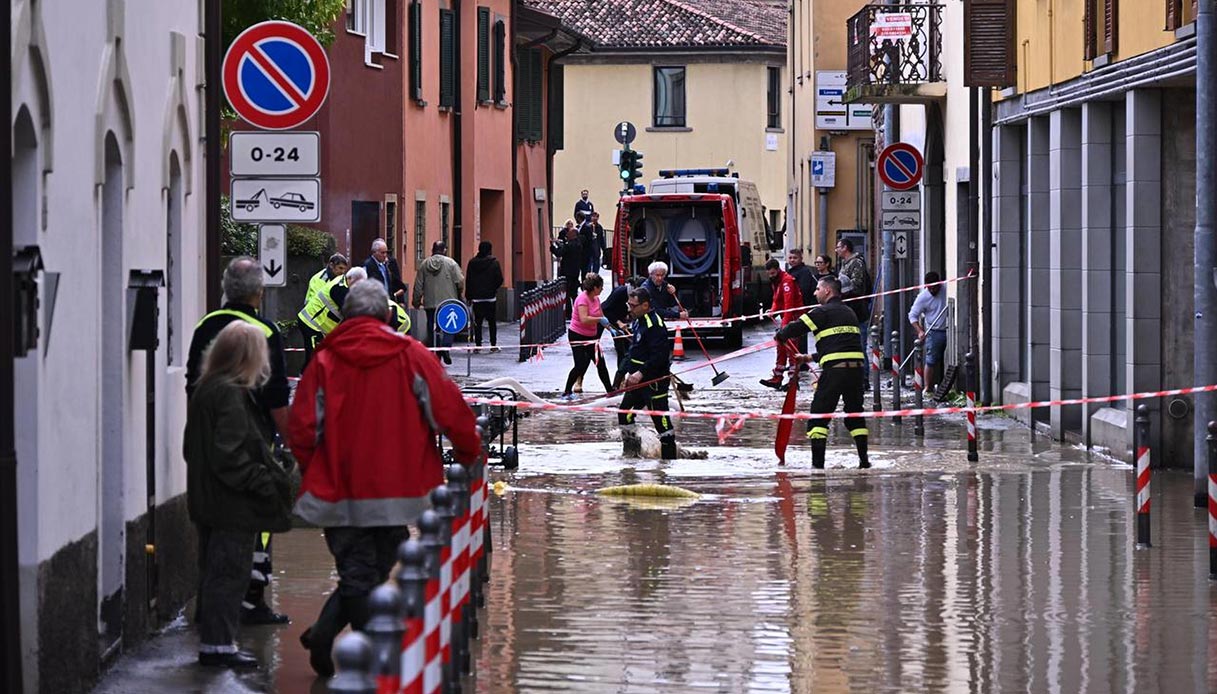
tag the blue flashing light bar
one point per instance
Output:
(673, 173)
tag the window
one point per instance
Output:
(447, 60)
(376, 26)
(350, 15)
(392, 28)
(443, 222)
(391, 223)
(416, 52)
(669, 97)
(1099, 28)
(420, 228)
(483, 55)
(357, 16)
(500, 63)
(528, 98)
(775, 98)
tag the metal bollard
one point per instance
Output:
(1212, 460)
(876, 360)
(429, 536)
(1143, 474)
(918, 387)
(353, 659)
(458, 487)
(385, 629)
(896, 374)
(412, 586)
(441, 502)
(969, 361)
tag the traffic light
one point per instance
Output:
(630, 168)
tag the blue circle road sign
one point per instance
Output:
(900, 166)
(452, 317)
(276, 75)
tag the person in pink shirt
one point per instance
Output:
(586, 324)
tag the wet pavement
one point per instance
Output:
(925, 573)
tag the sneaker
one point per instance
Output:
(447, 357)
(495, 350)
(774, 382)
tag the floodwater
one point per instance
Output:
(925, 573)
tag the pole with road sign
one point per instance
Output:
(452, 317)
(272, 254)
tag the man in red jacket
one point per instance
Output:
(363, 426)
(786, 295)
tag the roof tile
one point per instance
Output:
(674, 23)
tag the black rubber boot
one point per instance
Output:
(319, 638)
(863, 461)
(356, 609)
(818, 448)
(667, 448)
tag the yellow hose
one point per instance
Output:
(656, 490)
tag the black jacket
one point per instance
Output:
(395, 283)
(835, 327)
(571, 253)
(233, 481)
(275, 393)
(483, 278)
(614, 307)
(806, 279)
(662, 302)
(650, 352)
(583, 210)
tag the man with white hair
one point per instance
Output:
(243, 290)
(362, 492)
(663, 294)
(380, 267)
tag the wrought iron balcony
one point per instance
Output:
(894, 54)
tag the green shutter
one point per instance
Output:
(521, 101)
(416, 51)
(553, 107)
(447, 60)
(535, 95)
(483, 54)
(500, 63)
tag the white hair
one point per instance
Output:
(356, 274)
(366, 299)
(379, 243)
(242, 281)
(657, 265)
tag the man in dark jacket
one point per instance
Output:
(806, 279)
(569, 250)
(617, 316)
(663, 294)
(243, 290)
(383, 269)
(583, 207)
(482, 282)
(592, 235)
(648, 362)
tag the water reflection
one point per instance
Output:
(788, 582)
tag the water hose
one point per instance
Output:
(656, 490)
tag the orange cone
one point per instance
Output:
(678, 348)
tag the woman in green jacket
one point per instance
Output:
(235, 487)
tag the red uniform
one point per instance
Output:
(786, 295)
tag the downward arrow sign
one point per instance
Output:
(274, 268)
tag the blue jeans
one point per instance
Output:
(935, 347)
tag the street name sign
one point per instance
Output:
(276, 75)
(263, 153)
(832, 113)
(276, 200)
(272, 254)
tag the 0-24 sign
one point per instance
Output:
(262, 153)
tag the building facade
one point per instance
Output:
(107, 186)
(1094, 185)
(704, 87)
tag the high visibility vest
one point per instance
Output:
(399, 318)
(315, 284)
(266, 329)
(320, 313)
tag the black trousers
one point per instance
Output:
(583, 358)
(848, 383)
(223, 580)
(621, 344)
(650, 397)
(363, 556)
(312, 338)
(485, 311)
(572, 291)
(259, 575)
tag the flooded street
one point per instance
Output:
(925, 573)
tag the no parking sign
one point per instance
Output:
(276, 75)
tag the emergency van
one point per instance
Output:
(705, 224)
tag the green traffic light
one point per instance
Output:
(625, 174)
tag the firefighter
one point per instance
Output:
(839, 353)
(317, 284)
(786, 296)
(649, 362)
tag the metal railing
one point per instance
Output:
(542, 316)
(895, 45)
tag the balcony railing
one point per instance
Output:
(895, 53)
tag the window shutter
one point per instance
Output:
(447, 60)
(483, 54)
(535, 95)
(1174, 8)
(1110, 26)
(416, 51)
(500, 64)
(988, 43)
(523, 70)
(1088, 37)
(554, 107)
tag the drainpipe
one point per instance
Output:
(1204, 358)
(212, 55)
(986, 247)
(458, 139)
(969, 250)
(10, 615)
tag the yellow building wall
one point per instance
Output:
(1049, 37)
(725, 109)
